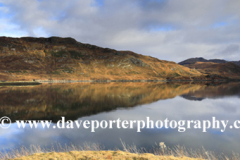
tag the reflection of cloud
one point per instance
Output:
(9, 134)
(173, 109)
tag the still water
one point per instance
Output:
(127, 101)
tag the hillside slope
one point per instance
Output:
(228, 70)
(219, 68)
(54, 58)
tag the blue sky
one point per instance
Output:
(166, 29)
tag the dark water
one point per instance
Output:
(127, 101)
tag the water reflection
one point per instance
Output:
(214, 91)
(51, 101)
(128, 101)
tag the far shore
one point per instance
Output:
(17, 83)
(36, 82)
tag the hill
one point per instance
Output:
(54, 58)
(200, 59)
(214, 67)
(223, 70)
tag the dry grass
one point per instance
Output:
(62, 60)
(82, 155)
(129, 152)
(230, 70)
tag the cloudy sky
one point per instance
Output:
(167, 29)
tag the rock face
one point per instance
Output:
(54, 58)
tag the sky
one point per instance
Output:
(167, 29)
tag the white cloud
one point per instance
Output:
(166, 29)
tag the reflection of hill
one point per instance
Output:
(213, 91)
(51, 101)
(191, 98)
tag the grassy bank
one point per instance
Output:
(96, 152)
(101, 155)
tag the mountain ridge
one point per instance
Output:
(201, 59)
(65, 59)
(218, 67)
(55, 58)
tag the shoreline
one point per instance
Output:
(17, 83)
(38, 82)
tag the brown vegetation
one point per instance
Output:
(24, 59)
(227, 70)
(215, 68)
(94, 152)
(101, 155)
